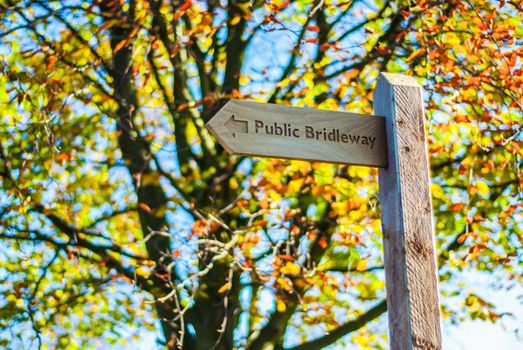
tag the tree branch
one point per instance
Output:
(234, 48)
(345, 329)
(74, 32)
(291, 65)
(387, 39)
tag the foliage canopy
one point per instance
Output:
(117, 205)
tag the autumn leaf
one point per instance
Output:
(361, 265)
(286, 257)
(313, 28)
(382, 50)
(416, 54)
(120, 45)
(186, 5)
(280, 306)
(50, 61)
(64, 157)
(290, 269)
(504, 70)
(224, 288)
(457, 207)
(145, 207)
(461, 118)
(235, 20)
(483, 188)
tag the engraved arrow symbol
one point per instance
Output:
(235, 125)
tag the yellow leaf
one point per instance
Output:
(361, 265)
(451, 39)
(235, 20)
(233, 184)
(437, 191)
(415, 54)
(290, 269)
(245, 8)
(275, 196)
(142, 272)
(483, 188)
(280, 305)
(224, 288)
(285, 284)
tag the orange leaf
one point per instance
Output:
(325, 47)
(473, 81)
(64, 157)
(460, 119)
(286, 257)
(516, 146)
(260, 223)
(504, 70)
(145, 207)
(223, 288)
(456, 207)
(50, 61)
(382, 50)
(135, 31)
(416, 53)
(312, 40)
(462, 238)
(104, 26)
(323, 242)
(295, 230)
(313, 28)
(120, 45)
(284, 5)
(186, 5)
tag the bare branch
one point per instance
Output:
(345, 329)
(291, 65)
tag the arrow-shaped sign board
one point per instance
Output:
(269, 130)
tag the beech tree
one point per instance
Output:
(120, 215)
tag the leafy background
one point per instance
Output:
(120, 215)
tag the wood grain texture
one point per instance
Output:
(406, 214)
(269, 130)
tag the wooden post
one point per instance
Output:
(406, 215)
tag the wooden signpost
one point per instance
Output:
(396, 144)
(269, 130)
(406, 218)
